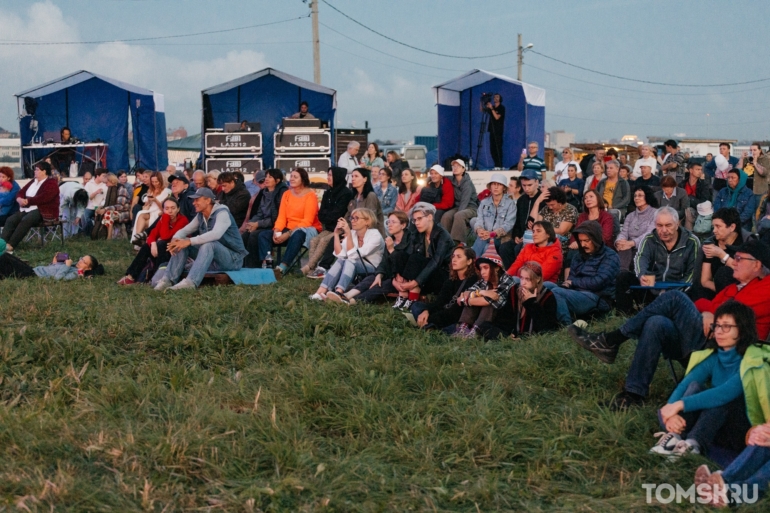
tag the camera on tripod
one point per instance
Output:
(486, 98)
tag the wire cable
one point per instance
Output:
(45, 43)
(414, 47)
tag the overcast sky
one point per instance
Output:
(688, 42)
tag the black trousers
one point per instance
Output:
(625, 297)
(145, 254)
(18, 225)
(251, 242)
(12, 267)
(496, 147)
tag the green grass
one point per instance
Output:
(254, 398)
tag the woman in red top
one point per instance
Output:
(38, 201)
(154, 250)
(446, 191)
(545, 250)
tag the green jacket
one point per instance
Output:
(755, 376)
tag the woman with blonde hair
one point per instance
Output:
(156, 194)
(359, 247)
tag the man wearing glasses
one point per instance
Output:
(675, 327)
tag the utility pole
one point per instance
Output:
(520, 59)
(317, 43)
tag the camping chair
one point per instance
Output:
(278, 257)
(48, 230)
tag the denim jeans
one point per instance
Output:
(751, 467)
(212, 256)
(87, 223)
(670, 325)
(577, 302)
(293, 246)
(480, 246)
(342, 273)
(68, 216)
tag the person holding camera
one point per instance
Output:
(760, 162)
(496, 112)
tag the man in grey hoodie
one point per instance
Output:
(457, 220)
(211, 239)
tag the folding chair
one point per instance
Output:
(278, 257)
(49, 230)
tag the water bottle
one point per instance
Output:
(267, 263)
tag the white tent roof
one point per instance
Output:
(448, 93)
(81, 76)
(280, 74)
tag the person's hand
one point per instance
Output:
(282, 238)
(670, 410)
(177, 245)
(676, 424)
(517, 240)
(389, 244)
(712, 250)
(252, 226)
(482, 234)
(623, 245)
(708, 320)
(77, 221)
(422, 319)
(760, 435)
(68, 262)
(573, 245)
(99, 211)
(411, 284)
(525, 294)
(462, 299)
(22, 202)
(154, 249)
(745, 154)
(489, 105)
(566, 284)
(646, 281)
(377, 281)
(545, 194)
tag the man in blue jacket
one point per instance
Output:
(211, 238)
(720, 177)
(591, 283)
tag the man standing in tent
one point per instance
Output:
(496, 122)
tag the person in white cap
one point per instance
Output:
(439, 192)
(646, 159)
(496, 216)
(457, 220)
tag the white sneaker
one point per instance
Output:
(318, 274)
(163, 285)
(184, 284)
(685, 447)
(666, 444)
(317, 297)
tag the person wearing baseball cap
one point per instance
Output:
(211, 239)
(180, 190)
(457, 220)
(496, 215)
(256, 183)
(439, 192)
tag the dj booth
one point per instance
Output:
(305, 143)
(85, 155)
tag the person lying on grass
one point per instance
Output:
(483, 299)
(359, 252)
(444, 312)
(695, 417)
(61, 268)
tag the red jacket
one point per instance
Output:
(164, 230)
(46, 200)
(447, 195)
(754, 295)
(549, 257)
(606, 221)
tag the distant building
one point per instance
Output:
(173, 134)
(559, 139)
(5, 134)
(10, 149)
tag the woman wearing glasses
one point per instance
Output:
(560, 170)
(697, 417)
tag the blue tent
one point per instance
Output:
(97, 107)
(459, 116)
(266, 97)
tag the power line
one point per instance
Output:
(46, 43)
(369, 59)
(414, 47)
(646, 81)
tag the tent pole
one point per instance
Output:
(67, 106)
(238, 110)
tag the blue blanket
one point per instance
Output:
(250, 276)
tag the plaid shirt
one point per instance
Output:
(678, 159)
(503, 288)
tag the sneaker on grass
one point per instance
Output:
(318, 274)
(666, 443)
(685, 447)
(623, 401)
(595, 343)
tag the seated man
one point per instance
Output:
(667, 254)
(674, 326)
(303, 112)
(591, 284)
(211, 238)
(180, 190)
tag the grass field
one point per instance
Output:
(249, 399)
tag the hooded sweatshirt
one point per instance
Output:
(740, 198)
(334, 203)
(465, 193)
(595, 272)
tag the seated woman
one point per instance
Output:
(408, 191)
(444, 312)
(736, 195)
(597, 176)
(234, 196)
(116, 209)
(156, 194)
(38, 201)
(386, 191)
(496, 215)
(544, 250)
(718, 252)
(397, 245)
(558, 212)
(297, 222)
(359, 252)
(696, 417)
(334, 205)
(486, 297)
(573, 186)
(264, 212)
(154, 250)
(212, 181)
(531, 309)
(439, 191)
(364, 196)
(426, 267)
(637, 225)
(593, 210)
(672, 196)
(8, 190)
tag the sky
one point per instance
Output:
(705, 43)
